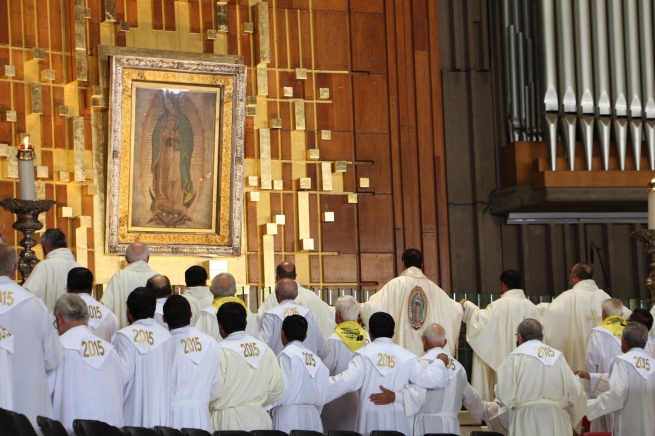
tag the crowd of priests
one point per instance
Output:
(144, 357)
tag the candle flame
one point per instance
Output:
(27, 140)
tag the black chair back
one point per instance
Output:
(486, 433)
(386, 433)
(232, 433)
(305, 433)
(50, 427)
(90, 427)
(138, 431)
(195, 432)
(342, 433)
(22, 425)
(439, 434)
(167, 431)
(7, 423)
(268, 433)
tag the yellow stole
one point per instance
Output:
(218, 302)
(615, 324)
(352, 334)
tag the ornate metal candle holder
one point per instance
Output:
(648, 237)
(27, 223)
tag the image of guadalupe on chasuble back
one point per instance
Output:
(174, 164)
(417, 307)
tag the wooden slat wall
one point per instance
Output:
(482, 245)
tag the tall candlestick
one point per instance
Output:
(26, 157)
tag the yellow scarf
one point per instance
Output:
(615, 324)
(352, 334)
(218, 302)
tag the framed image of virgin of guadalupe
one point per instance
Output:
(176, 156)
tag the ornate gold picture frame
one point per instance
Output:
(175, 178)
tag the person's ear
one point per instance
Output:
(445, 342)
(304, 337)
(67, 289)
(190, 315)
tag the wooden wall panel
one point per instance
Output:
(341, 235)
(367, 43)
(340, 269)
(371, 103)
(376, 269)
(373, 162)
(375, 217)
(331, 40)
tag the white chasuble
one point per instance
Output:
(568, 320)
(147, 354)
(383, 363)
(37, 350)
(270, 327)
(121, 285)
(250, 379)
(415, 302)
(195, 372)
(50, 276)
(307, 381)
(89, 383)
(102, 322)
(491, 334)
(323, 312)
(543, 394)
(630, 395)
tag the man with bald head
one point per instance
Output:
(436, 410)
(323, 312)
(570, 318)
(224, 289)
(270, 327)
(134, 275)
(49, 277)
(537, 385)
(160, 286)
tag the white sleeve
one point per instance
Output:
(267, 329)
(350, 380)
(471, 398)
(435, 376)
(127, 354)
(613, 399)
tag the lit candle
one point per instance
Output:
(26, 171)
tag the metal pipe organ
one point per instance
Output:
(581, 70)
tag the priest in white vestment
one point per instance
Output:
(603, 345)
(568, 320)
(544, 396)
(490, 331)
(197, 291)
(102, 322)
(631, 387)
(270, 326)
(224, 289)
(306, 380)
(437, 410)
(89, 382)
(48, 278)
(6, 350)
(135, 274)
(147, 353)
(196, 369)
(250, 377)
(160, 286)
(383, 363)
(414, 301)
(323, 312)
(37, 350)
(348, 337)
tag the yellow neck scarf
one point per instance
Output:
(352, 334)
(615, 324)
(218, 302)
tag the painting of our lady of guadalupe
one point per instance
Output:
(175, 159)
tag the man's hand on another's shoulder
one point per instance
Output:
(444, 358)
(384, 397)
